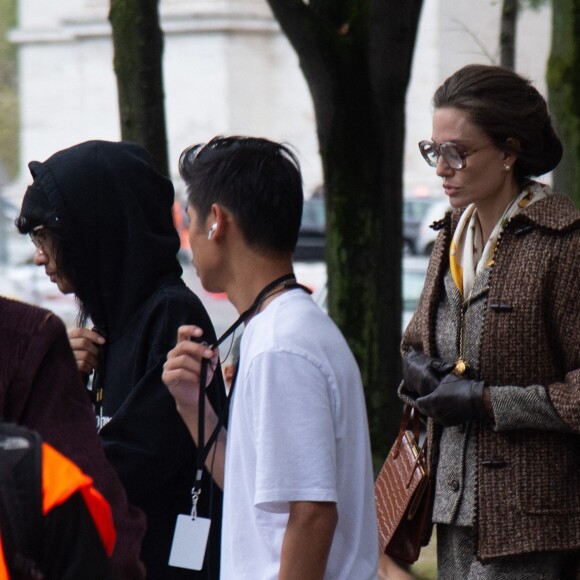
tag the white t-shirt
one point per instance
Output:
(298, 431)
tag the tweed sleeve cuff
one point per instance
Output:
(524, 408)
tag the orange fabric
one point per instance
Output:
(61, 479)
(180, 225)
(3, 569)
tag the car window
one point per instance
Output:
(414, 271)
(415, 209)
(314, 214)
(412, 288)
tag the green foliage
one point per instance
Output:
(9, 123)
(534, 4)
(563, 78)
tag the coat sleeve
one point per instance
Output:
(542, 390)
(565, 326)
(56, 405)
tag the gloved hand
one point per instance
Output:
(422, 374)
(456, 400)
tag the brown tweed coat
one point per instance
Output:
(531, 335)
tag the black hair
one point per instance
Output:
(36, 211)
(505, 105)
(257, 180)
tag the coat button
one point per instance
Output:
(454, 485)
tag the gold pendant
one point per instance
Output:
(460, 367)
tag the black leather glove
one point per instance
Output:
(456, 400)
(422, 374)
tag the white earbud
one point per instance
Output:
(211, 231)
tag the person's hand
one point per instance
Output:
(85, 345)
(456, 400)
(181, 371)
(422, 374)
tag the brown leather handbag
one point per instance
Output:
(403, 492)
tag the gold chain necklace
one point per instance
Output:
(461, 364)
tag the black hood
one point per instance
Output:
(116, 210)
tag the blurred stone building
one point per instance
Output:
(229, 70)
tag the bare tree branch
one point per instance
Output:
(492, 59)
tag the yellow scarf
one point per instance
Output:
(467, 254)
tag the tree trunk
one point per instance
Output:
(9, 103)
(138, 45)
(507, 37)
(564, 93)
(356, 57)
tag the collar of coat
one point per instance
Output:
(555, 212)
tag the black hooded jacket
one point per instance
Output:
(114, 210)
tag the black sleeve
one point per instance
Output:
(146, 441)
(72, 548)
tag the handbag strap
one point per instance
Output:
(410, 414)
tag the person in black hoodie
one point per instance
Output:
(101, 219)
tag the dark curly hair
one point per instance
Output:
(37, 211)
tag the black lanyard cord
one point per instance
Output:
(287, 281)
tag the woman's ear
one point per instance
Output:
(511, 156)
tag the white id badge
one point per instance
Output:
(189, 542)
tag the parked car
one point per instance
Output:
(413, 280)
(312, 236)
(414, 269)
(414, 210)
(426, 235)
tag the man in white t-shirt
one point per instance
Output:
(295, 463)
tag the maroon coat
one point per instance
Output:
(41, 388)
